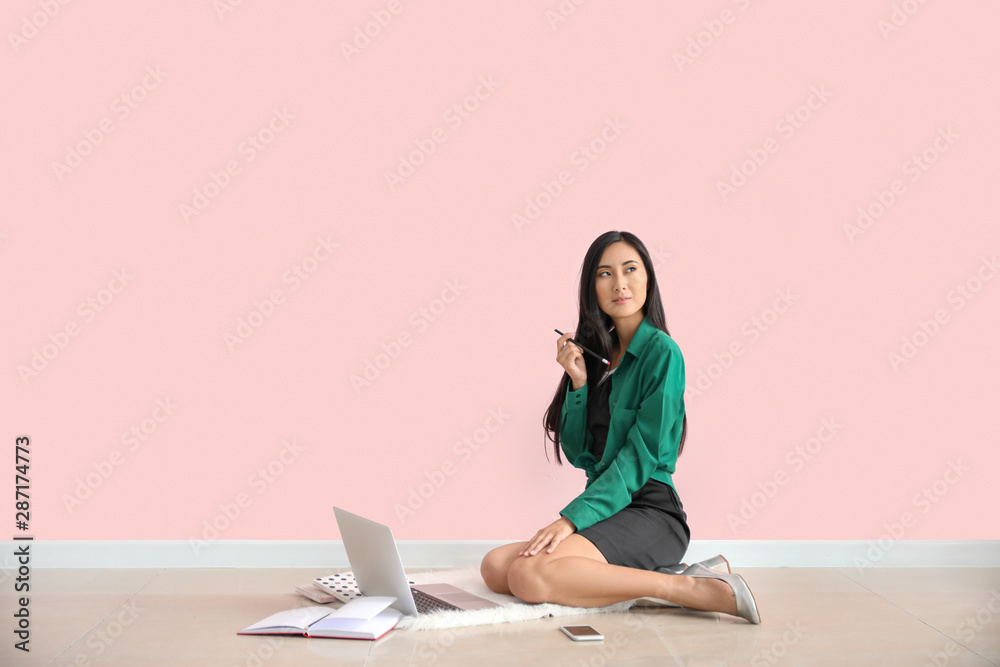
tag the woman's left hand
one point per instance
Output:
(550, 537)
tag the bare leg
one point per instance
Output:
(497, 563)
(576, 574)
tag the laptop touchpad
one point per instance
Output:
(453, 594)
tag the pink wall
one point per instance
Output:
(288, 135)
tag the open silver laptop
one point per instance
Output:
(378, 570)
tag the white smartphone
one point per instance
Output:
(582, 633)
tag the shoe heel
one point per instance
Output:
(746, 606)
(717, 563)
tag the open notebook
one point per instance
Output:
(364, 618)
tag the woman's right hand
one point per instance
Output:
(570, 357)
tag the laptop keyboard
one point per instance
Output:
(428, 605)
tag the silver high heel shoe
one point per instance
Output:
(717, 563)
(746, 606)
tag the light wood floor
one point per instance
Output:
(811, 616)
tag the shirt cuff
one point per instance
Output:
(576, 400)
(581, 517)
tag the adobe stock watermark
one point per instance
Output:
(136, 436)
(752, 329)
(256, 657)
(606, 652)
(712, 29)
(88, 310)
(899, 16)
(914, 166)
(562, 12)
(967, 631)
(659, 256)
(259, 481)
(264, 309)
(958, 296)
(431, 649)
(463, 450)
(247, 151)
(600, 654)
(454, 117)
(924, 501)
(786, 127)
(796, 459)
(371, 29)
(121, 108)
(223, 7)
(585, 155)
(778, 649)
(108, 632)
(32, 24)
(420, 320)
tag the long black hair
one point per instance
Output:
(593, 327)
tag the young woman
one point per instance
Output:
(624, 424)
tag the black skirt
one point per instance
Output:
(652, 530)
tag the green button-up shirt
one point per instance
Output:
(647, 411)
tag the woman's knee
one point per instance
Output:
(494, 570)
(526, 580)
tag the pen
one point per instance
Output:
(608, 363)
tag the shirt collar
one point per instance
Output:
(641, 338)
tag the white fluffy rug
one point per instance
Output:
(511, 608)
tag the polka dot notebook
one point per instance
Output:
(342, 586)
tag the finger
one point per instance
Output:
(568, 354)
(530, 545)
(539, 543)
(556, 541)
(562, 340)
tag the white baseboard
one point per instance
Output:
(468, 553)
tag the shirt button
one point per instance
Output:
(615, 404)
